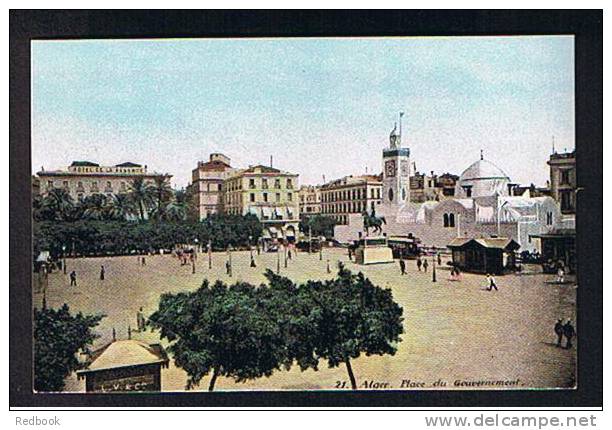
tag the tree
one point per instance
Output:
(220, 330)
(58, 337)
(57, 205)
(94, 207)
(353, 317)
(162, 194)
(318, 225)
(121, 207)
(141, 195)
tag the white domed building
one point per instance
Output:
(482, 178)
(482, 207)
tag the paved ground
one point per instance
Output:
(453, 330)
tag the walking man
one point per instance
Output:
(559, 332)
(144, 262)
(102, 273)
(402, 266)
(227, 267)
(439, 259)
(253, 262)
(73, 279)
(491, 282)
(560, 275)
(425, 265)
(419, 263)
(569, 332)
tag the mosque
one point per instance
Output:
(483, 206)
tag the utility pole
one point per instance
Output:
(209, 254)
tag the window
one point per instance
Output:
(80, 184)
(451, 220)
(390, 194)
(289, 183)
(65, 184)
(290, 197)
(264, 183)
(251, 183)
(277, 197)
(277, 183)
(252, 197)
(265, 197)
(565, 175)
(108, 184)
(50, 184)
(445, 218)
(549, 218)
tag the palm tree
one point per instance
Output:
(95, 207)
(57, 205)
(175, 211)
(140, 194)
(162, 194)
(121, 207)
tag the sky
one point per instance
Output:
(319, 106)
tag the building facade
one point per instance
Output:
(425, 187)
(483, 206)
(268, 193)
(310, 200)
(350, 195)
(84, 178)
(206, 187)
(563, 180)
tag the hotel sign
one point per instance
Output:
(131, 383)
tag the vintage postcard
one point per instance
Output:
(304, 214)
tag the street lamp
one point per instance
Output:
(64, 257)
(285, 251)
(309, 239)
(277, 260)
(229, 249)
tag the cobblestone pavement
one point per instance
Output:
(454, 331)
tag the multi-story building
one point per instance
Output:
(84, 178)
(563, 180)
(310, 200)
(206, 187)
(350, 195)
(425, 187)
(268, 193)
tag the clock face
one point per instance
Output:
(390, 168)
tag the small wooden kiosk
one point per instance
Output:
(125, 365)
(484, 255)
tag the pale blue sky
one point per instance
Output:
(319, 106)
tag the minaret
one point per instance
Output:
(396, 171)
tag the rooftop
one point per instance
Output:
(124, 353)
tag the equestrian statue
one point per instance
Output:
(372, 221)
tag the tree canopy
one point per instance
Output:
(245, 332)
(58, 337)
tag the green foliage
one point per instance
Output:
(58, 337)
(98, 237)
(222, 330)
(319, 225)
(246, 332)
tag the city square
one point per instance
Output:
(455, 332)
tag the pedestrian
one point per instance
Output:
(227, 267)
(73, 279)
(560, 275)
(419, 263)
(253, 262)
(402, 266)
(569, 332)
(439, 259)
(425, 265)
(491, 283)
(144, 261)
(258, 249)
(559, 331)
(350, 252)
(328, 268)
(102, 271)
(140, 320)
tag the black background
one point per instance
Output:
(586, 26)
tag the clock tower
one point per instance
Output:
(396, 171)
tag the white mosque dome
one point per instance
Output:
(482, 178)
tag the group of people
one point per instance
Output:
(566, 330)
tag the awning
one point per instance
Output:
(253, 210)
(290, 213)
(273, 230)
(266, 234)
(290, 232)
(265, 211)
(278, 212)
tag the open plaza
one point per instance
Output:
(457, 335)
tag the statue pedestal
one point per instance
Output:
(373, 250)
